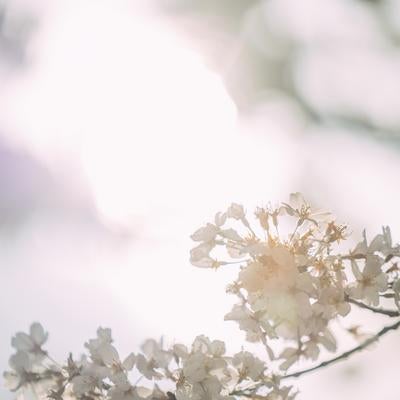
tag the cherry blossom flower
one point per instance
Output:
(248, 365)
(302, 210)
(21, 373)
(292, 282)
(370, 282)
(90, 378)
(31, 343)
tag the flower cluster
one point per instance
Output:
(201, 372)
(293, 281)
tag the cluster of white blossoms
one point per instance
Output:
(292, 280)
(201, 372)
(292, 283)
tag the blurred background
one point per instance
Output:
(126, 124)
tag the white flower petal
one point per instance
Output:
(38, 335)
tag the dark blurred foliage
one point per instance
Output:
(15, 31)
(217, 29)
(253, 57)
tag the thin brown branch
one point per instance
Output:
(346, 354)
(383, 311)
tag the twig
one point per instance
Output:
(248, 392)
(389, 313)
(346, 354)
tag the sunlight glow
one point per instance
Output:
(153, 133)
(132, 102)
(168, 110)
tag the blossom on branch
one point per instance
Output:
(293, 281)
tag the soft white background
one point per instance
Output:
(118, 141)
